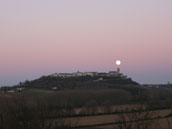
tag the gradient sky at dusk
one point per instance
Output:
(40, 37)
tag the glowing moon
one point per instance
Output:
(118, 62)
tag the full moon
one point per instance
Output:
(118, 62)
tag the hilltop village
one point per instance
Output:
(91, 74)
(74, 80)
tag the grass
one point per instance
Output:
(37, 92)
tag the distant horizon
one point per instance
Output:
(36, 77)
(42, 37)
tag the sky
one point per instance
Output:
(41, 37)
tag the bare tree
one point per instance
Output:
(24, 113)
(137, 120)
(168, 122)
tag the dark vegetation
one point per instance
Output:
(48, 82)
(38, 106)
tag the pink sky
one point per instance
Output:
(42, 37)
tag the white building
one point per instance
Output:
(113, 73)
(54, 75)
(90, 74)
(78, 74)
(11, 91)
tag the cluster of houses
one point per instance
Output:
(92, 74)
(14, 90)
(101, 76)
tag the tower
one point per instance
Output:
(118, 70)
(118, 63)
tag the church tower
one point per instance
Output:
(118, 63)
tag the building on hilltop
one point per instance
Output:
(113, 73)
(78, 74)
(92, 74)
(102, 74)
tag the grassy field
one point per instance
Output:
(105, 108)
(158, 118)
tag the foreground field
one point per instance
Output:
(111, 121)
(107, 108)
(156, 124)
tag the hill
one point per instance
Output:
(53, 82)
